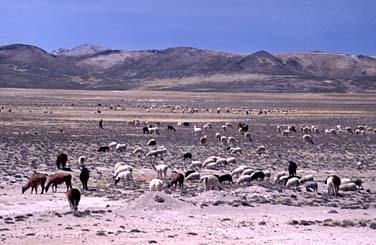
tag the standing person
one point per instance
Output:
(101, 124)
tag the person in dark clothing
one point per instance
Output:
(101, 124)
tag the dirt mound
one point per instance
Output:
(158, 201)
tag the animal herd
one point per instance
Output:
(73, 194)
(197, 170)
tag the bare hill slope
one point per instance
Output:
(185, 68)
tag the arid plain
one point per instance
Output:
(37, 125)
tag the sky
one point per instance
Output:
(238, 26)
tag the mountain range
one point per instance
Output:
(184, 69)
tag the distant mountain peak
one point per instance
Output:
(81, 50)
(262, 53)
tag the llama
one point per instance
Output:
(73, 197)
(34, 182)
(62, 159)
(84, 177)
(59, 178)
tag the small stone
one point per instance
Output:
(100, 233)
(20, 217)
(337, 223)
(346, 223)
(158, 199)
(333, 211)
(135, 231)
(218, 202)
(204, 205)
(153, 241)
(192, 233)
(246, 204)
(306, 222)
(372, 226)
(225, 219)
(262, 223)
(293, 222)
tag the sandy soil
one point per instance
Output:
(36, 125)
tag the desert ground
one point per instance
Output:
(37, 125)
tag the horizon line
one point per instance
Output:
(185, 46)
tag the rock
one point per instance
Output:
(158, 199)
(337, 223)
(328, 222)
(135, 231)
(293, 222)
(306, 222)
(100, 233)
(192, 233)
(346, 223)
(204, 205)
(153, 241)
(20, 217)
(262, 223)
(333, 211)
(372, 226)
(246, 204)
(218, 202)
(362, 224)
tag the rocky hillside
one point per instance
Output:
(185, 68)
(82, 50)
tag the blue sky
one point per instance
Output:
(240, 26)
